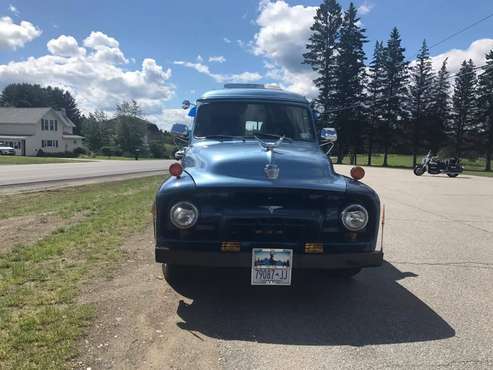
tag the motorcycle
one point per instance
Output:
(434, 166)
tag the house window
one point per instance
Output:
(42, 124)
(43, 143)
(52, 127)
(56, 125)
(56, 143)
(49, 143)
(45, 125)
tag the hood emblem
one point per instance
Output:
(271, 209)
(271, 171)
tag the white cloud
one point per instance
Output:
(167, 117)
(476, 51)
(221, 78)
(365, 8)
(281, 39)
(107, 49)
(199, 58)
(95, 78)
(14, 10)
(65, 46)
(226, 40)
(217, 59)
(98, 40)
(14, 36)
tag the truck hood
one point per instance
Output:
(242, 164)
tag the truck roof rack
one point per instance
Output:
(244, 86)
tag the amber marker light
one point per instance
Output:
(230, 246)
(314, 248)
(176, 169)
(357, 172)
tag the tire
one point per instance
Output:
(419, 170)
(344, 273)
(452, 174)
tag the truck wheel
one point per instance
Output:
(344, 273)
(452, 174)
(419, 170)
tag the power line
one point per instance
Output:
(461, 31)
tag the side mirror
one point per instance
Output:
(180, 133)
(328, 134)
(179, 130)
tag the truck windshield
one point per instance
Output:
(247, 120)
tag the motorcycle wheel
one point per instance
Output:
(452, 174)
(418, 170)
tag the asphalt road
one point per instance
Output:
(429, 306)
(34, 175)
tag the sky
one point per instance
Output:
(162, 52)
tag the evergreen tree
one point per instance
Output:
(375, 94)
(349, 77)
(420, 94)
(439, 110)
(485, 90)
(464, 106)
(396, 77)
(321, 53)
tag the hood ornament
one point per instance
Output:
(271, 209)
(271, 170)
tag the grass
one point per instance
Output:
(471, 167)
(14, 159)
(40, 319)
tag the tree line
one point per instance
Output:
(126, 132)
(392, 104)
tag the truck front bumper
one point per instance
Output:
(329, 261)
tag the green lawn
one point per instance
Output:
(7, 159)
(40, 319)
(406, 161)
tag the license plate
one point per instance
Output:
(271, 266)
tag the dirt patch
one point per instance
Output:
(30, 229)
(136, 324)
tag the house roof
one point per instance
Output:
(22, 115)
(29, 115)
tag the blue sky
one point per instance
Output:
(160, 52)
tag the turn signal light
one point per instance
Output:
(176, 169)
(357, 172)
(230, 246)
(314, 248)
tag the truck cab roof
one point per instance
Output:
(258, 93)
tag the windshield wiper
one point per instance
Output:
(221, 137)
(275, 136)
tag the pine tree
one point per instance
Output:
(464, 106)
(485, 90)
(375, 94)
(396, 77)
(439, 110)
(321, 53)
(420, 94)
(350, 76)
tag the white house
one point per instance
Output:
(29, 130)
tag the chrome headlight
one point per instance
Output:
(183, 215)
(354, 217)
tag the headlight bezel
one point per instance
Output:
(352, 208)
(188, 205)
